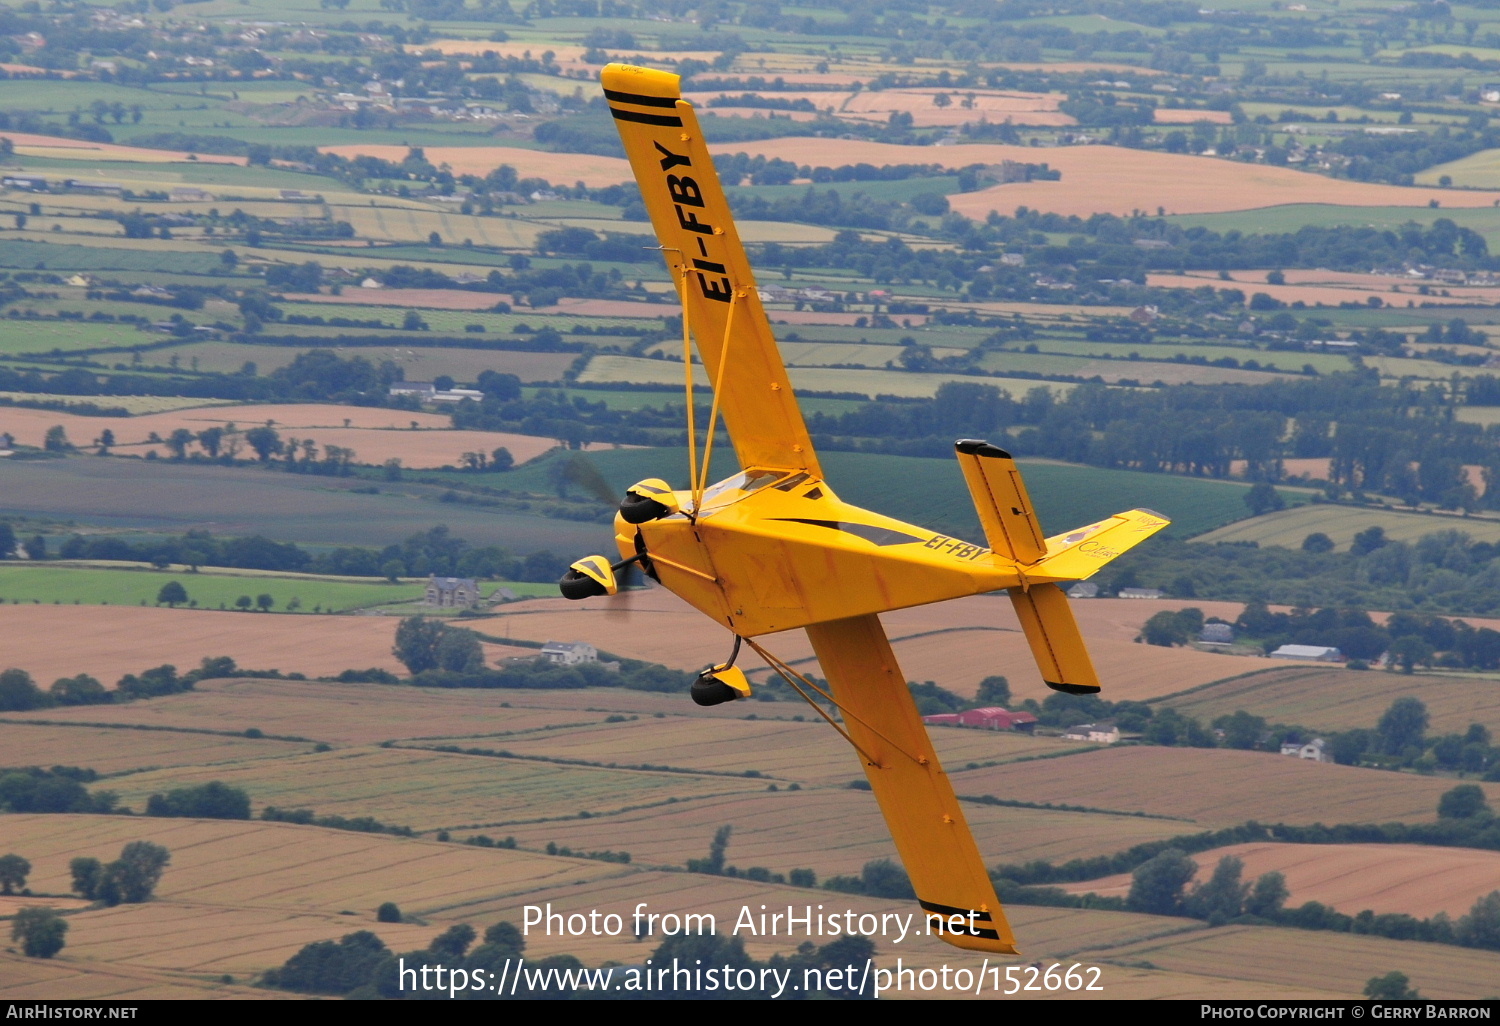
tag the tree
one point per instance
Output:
(714, 864)
(88, 874)
(213, 800)
(1480, 927)
(994, 691)
(18, 692)
(1393, 986)
(178, 441)
(264, 602)
(1223, 897)
(1463, 802)
(417, 640)
(1317, 543)
(1262, 498)
(13, 873)
(1267, 896)
(389, 912)
(57, 440)
(244, 602)
(40, 931)
(265, 441)
(210, 439)
(79, 690)
(1403, 726)
(135, 874)
(171, 593)
(1156, 885)
(501, 460)
(459, 651)
(453, 942)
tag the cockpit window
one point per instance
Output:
(748, 481)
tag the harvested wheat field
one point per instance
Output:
(1334, 294)
(961, 642)
(1419, 880)
(1333, 698)
(108, 642)
(1108, 179)
(430, 791)
(833, 831)
(1185, 116)
(1285, 960)
(36, 979)
(30, 145)
(116, 749)
(565, 168)
(964, 105)
(1217, 787)
(341, 714)
(722, 741)
(374, 435)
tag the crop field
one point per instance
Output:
(1283, 961)
(1477, 171)
(422, 364)
(1332, 698)
(161, 496)
(435, 790)
(1143, 371)
(1292, 216)
(113, 750)
(1289, 527)
(109, 642)
(1323, 363)
(353, 714)
(425, 446)
(20, 335)
(1334, 295)
(1216, 787)
(832, 831)
(1416, 879)
(568, 168)
(608, 369)
(401, 224)
(72, 585)
(931, 492)
(1099, 179)
(808, 753)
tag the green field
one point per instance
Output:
(1288, 528)
(206, 589)
(931, 492)
(155, 496)
(21, 335)
(1293, 216)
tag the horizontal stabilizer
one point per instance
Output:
(1005, 510)
(1080, 553)
(1055, 640)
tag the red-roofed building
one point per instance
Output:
(991, 718)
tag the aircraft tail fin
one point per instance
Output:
(1005, 511)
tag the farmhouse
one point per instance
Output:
(1315, 750)
(1216, 634)
(569, 653)
(1083, 590)
(451, 592)
(1102, 733)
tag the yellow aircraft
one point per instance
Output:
(773, 548)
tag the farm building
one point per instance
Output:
(1140, 593)
(1103, 733)
(1216, 634)
(36, 183)
(420, 388)
(451, 592)
(569, 653)
(1083, 590)
(1317, 653)
(991, 718)
(1315, 750)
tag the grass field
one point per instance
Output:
(1292, 216)
(1332, 698)
(206, 589)
(931, 492)
(1288, 528)
(421, 364)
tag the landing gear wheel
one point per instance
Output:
(575, 585)
(638, 509)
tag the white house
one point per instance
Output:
(569, 653)
(1315, 750)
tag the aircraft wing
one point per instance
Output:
(914, 793)
(690, 213)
